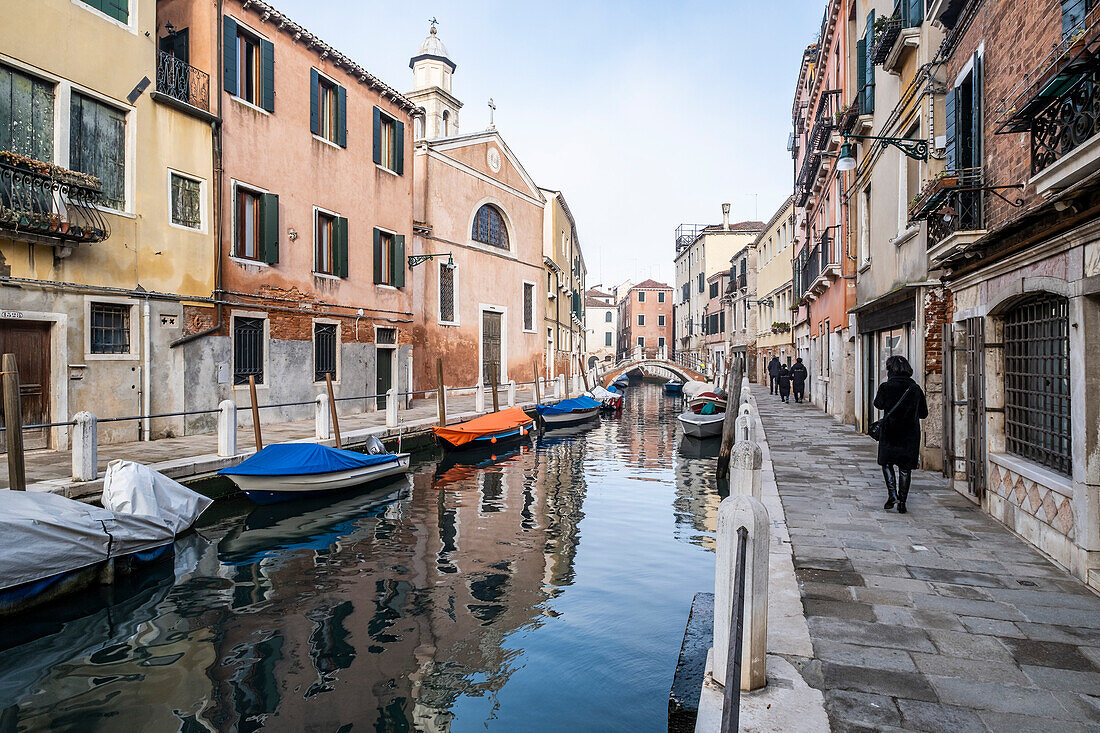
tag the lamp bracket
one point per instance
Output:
(917, 149)
(415, 260)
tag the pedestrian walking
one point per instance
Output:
(784, 380)
(799, 374)
(898, 432)
(773, 374)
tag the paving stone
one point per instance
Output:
(826, 591)
(968, 592)
(937, 620)
(939, 718)
(979, 670)
(871, 634)
(894, 615)
(854, 655)
(1012, 723)
(1053, 678)
(999, 698)
(992, 626)
(971, 646)
(957, 577)
(906, 584)
(838, 609)
(1061, 616)
(879, 681)
(881, 596)
(1049, 654)
(813, 575)
(967, 607)
(862, 708)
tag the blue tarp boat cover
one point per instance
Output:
(613, 388)
(577, 403)
(298, 459)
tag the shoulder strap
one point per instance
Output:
(898, 403)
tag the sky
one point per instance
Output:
(645, 115)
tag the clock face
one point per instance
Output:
(493, 158)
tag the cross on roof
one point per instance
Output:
(492, 109)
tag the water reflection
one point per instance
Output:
(457, 598)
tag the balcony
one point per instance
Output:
(896, 33)
(46, 204)
(806, 177)
(183, 82)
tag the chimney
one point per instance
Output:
(726, 217)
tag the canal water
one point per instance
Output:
(543, 589)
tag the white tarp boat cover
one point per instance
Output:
(602, 394)
(44, 534)
(693, 388)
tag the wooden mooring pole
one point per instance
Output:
(13, 421)
(440, 393)
(584, 374)
(538, 392)
(332, 409)
(493, 379)
(255, 413)
(734, 371)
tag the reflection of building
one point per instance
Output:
(601, 316)
(645, 318)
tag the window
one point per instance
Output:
(641, 341)
(324, 351)
(607, 317)
(1037, 387)
(97, 145)
(117, 9)
(963, 129)
(607, 339)
(528, 306)
(661, 297)
(256, 229)
(248, 350)
(489, 227)
(661, 343)
(865, 226)
(641, 296)
(385, 336)
(641, 319)
(447, 293)
(660, 320)
(686, 292)
(389, 259)
(328, 109)
(324, 234)
(26, 115)
(249, 66)
(865, 68)
(389, 142)
(186, 201)
(110, 328)
(702, 282)
(446, 123)
(714, 290)
(1073, 14)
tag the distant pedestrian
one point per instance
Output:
(799, 374)
(784, 383)
(773, 374)
(904, 406)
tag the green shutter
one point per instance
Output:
(117, 9)
(869, 42)
(267, 74)
(340, 246)
(341, 117)
(377, 254)
(861, 72)
(951, 161)
(399, 260)
(269, 240)
(399, 147)
(976, 113)
(229, 55)
(377, 137)
(314, 102)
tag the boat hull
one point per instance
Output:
(569, 418)
(492, 440)
(674, 388)
(270, 489)
(702, 426)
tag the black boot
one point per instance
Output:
(904, 477)
(891, 486)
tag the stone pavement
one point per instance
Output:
(935, 620)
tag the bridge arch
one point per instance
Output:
(671, 367)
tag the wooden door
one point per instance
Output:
(490, 344)
(385, 376)
(30, 342)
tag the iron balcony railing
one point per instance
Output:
(687, 233)
(825, 121)
(182, 81)
(1068, 120)
(807, 174)
(47, 201)
(907, 14)
(963, 212)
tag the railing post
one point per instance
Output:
(511, 393)
(479, 398)
(391, 408)
(559, 387)
(735, 512)
(227, 428)
(85, 447)
(746, 458)
(322, 420)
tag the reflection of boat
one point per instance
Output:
(621, 382)
(702, 426)
(567, 432)
(674, 387)
(700, 401)
(294, 470)
(568, 412)
(691, 447)
(462, 465)
(488, 430)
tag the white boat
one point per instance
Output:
(568, 412)
(569, 418)
(702, 426)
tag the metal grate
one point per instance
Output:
(324, 351)
(1037, 396)
(385, 336)
(248, 350)
(110, 328)
(446, 293)
(528, 307)
(489, 227)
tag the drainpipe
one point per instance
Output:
(146, 363)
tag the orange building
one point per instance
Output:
(645, 318)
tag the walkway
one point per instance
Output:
(936, 620)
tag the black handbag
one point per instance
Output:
(875, 428)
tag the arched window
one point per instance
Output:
(489, 227)
(607, 317)
(446, 123)
(1037, 392)
(418, 128)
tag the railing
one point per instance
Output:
(825, 121)
(907, 14)
(182, 81)
(45, 200)
(806, 177)
(731, 695)
(1067, 121)
(687, 233)
(963, 213)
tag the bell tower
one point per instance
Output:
(432, 73)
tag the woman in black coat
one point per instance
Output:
(784, 383)
(903, 404)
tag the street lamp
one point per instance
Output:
(917, 149)
(847, 160)
(415, 260)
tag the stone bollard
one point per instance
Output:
(734, 512)
(745, 425)
(559, 388)
(391, 408)
(479, 398)
(746, 461)
(322, 418)
(511, 393)
(85, 447)
(227, 428)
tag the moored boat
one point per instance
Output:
(673, 386)
(286, 471)
(702, 426)
(569, 412)
(610, 399)
(489, 430)
(697, 403)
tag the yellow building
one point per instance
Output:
(773, 290)
(565, 285)
(106, 217)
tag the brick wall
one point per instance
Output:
(938, 309)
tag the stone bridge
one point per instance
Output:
(658, 363)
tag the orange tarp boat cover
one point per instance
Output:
(494, 422)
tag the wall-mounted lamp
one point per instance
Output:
(292, 234)
(415, 260)
(917, 149)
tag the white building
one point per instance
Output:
(602, 316)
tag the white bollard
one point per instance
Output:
(227, 428)
(322, 418)
(85, 447)
(746, 461)
(391, 408)
(479, 398)
(560, 387)
(745, 429)
(735, 512)
(511, 393)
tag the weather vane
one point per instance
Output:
(434, 23)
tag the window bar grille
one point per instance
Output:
(248, 350)
(324, 351)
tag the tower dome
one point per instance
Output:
(432, 48)
(432, 76)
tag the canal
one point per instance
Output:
(544, 590)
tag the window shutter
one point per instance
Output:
(869, 41)
(916, 13)
(950, 122)
(399, 147)
(340, 246)
(976, 116)
(341, 117)
(314, 102)
(267, 80)
(377, 138)
(377, 251)
(399, 261)
(861, 72)
(229, 55)
(269, 214)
